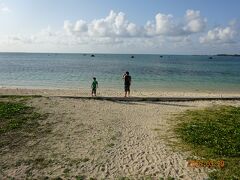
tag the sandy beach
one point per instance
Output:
(105, 140)
(114, 92)
(143, 90)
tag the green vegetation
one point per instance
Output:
(145, 178)
(114, 138)
(15, 115)
(214, 134)
(66, 171)
(81, 177)
(19, 96)
(111, 145)
(85, 159)
(124, 178)
(17, 121)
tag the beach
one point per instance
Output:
(103, 139)
(144, 90)
(111, 92)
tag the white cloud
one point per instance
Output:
(150, 28)
(21, 39)
(165, 25)
(4, 8)
(220, 35)
(116, 25)
(115, 33)
(79, 27)
(45, 36)
(195, 23)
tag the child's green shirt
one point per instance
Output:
(94, 84)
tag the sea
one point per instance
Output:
(148, 71)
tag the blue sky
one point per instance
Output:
(126, 26)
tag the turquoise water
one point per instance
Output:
(173, 72)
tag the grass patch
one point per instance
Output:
(66, 171)
(37, 163)
(114, 138)
(19, 96)
(214, 134)
(81, 177)
(111, 145)
(17, 120)
(85, 159)
(15, 115)
(124, 178)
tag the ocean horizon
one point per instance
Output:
(148, 71)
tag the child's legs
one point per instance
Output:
(94, 91)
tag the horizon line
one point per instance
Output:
(22, 52)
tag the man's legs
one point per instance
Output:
(125, 90)
(128, 92)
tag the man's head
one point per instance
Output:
(127, 73)
(94, 78)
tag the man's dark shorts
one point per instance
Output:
(127, 87)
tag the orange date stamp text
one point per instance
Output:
(206, 163)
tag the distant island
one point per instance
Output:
(228, 55)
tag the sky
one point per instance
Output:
(120, 26)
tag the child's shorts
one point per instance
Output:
(94, 90)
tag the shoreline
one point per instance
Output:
(110, 92)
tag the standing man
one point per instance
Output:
(127, 83)
(94, 87)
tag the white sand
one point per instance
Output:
(118, 139)
(114, 92)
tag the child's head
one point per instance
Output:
(94, 78)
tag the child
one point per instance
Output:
(94, 87)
